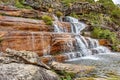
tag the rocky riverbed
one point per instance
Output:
(107, 66)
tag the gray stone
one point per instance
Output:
(24, 65)
(26, 57)
(16, 71)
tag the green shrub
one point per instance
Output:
(115, 13)
(47, 19)
(66, 75)
(20, 4)
(106, 34)
(68, 2)
(74, 15)
(96, 33)
(59, 14)
(103, 34)
(92, 17)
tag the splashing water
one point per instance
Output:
(82, 46)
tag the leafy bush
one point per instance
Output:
(68, 2)
(74, 15)
(115, 13)
(66, 76)
(93, 18)
(106, 34)
(47, 19)
(58, 13)
(96, 32)
(103, 34)
(20, 4)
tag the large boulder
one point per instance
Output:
(23, 65)
(26, 57)
(16, 71)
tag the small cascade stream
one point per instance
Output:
(82, 46)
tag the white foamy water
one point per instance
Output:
(81, 46)
(85, 58)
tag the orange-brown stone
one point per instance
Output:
(26, 41)
(23, 24)
(60, 58)
(46, 59)
(104, 42)
(59, 43)
(39, 42)
(12, 11)
(32, 35)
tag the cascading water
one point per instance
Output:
(82, 46)
(58, 28)
(76, 26)
(33, 41)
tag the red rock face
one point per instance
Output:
(60, 58)
(33, 35)
(42, 43)
(22, 24)
(13, 11)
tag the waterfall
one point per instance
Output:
(82, 46)
(57, 27)
(55, 18)
(46, 50)
(76, 26)
(33, 41)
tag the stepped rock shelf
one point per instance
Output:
(59, 42)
